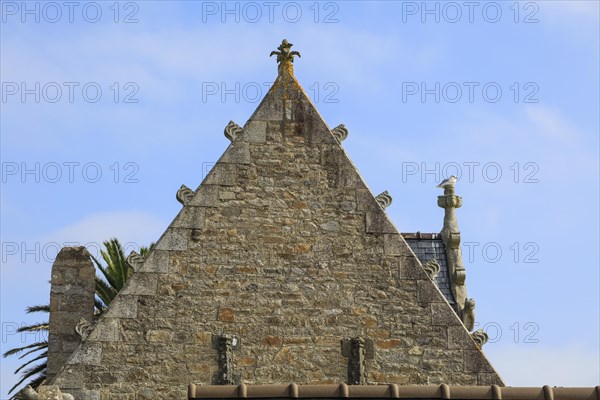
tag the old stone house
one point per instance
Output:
(281, 267)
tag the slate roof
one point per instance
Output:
(427, 246)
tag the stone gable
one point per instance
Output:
(284, 248)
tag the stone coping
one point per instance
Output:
(421, 235)
(392, 391)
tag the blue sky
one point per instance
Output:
(108, 107)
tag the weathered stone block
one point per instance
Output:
(190, 217)
(443, 314)
(226, 314)
(410, 268)
(157, 262)
(376, 221)
(121, 396)
(223, 175)
(108, 330)
(79, 394)
(236, 153)
(475, 362)
(394, 245)
(124, 307)
(90, 353)
(458, 337)
(173, 239)
(488, 379)
(159, 335)
(255, 131)
(206, 196)
(71, 377)
(143, 284)
(49, 392)
(427, 293)
(269, 110)
(348, 177)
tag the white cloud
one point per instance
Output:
(132, 228)
(571, 10)
(544, 135)
(551, 124)
(128, 226)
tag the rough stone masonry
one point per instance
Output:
(284, 248)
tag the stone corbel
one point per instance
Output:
(340, 133)
(384, 199)
(453, 241)
(225, 345)
(83, 328)
(479, 337)
(135, 260)
(432, 267)
(184, 195)
(357, 350)
(460, 276)
(233, 130)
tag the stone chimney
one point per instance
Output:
(451, 238)
(72, 295)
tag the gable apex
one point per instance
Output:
(285, 247)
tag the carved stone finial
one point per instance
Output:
(451, 237)
(384, 199)
(480, 337)
(232, 130)
(432, 267)
(284, 54)
(340, 133)
(135, 260)
(184, 195)
(468, 314)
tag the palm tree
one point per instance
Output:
(38, 372)
(115, 274)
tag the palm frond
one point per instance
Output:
(145, 251)
(106, 272)
(29, 373)
(105, 291)
(99, 307)
(40, 308)
(43, 345)
(19, 349)
(43, 355)
(122, 267)
(40, 326)
(38, 381)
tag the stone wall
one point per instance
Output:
(72, 294)
(283, 246)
